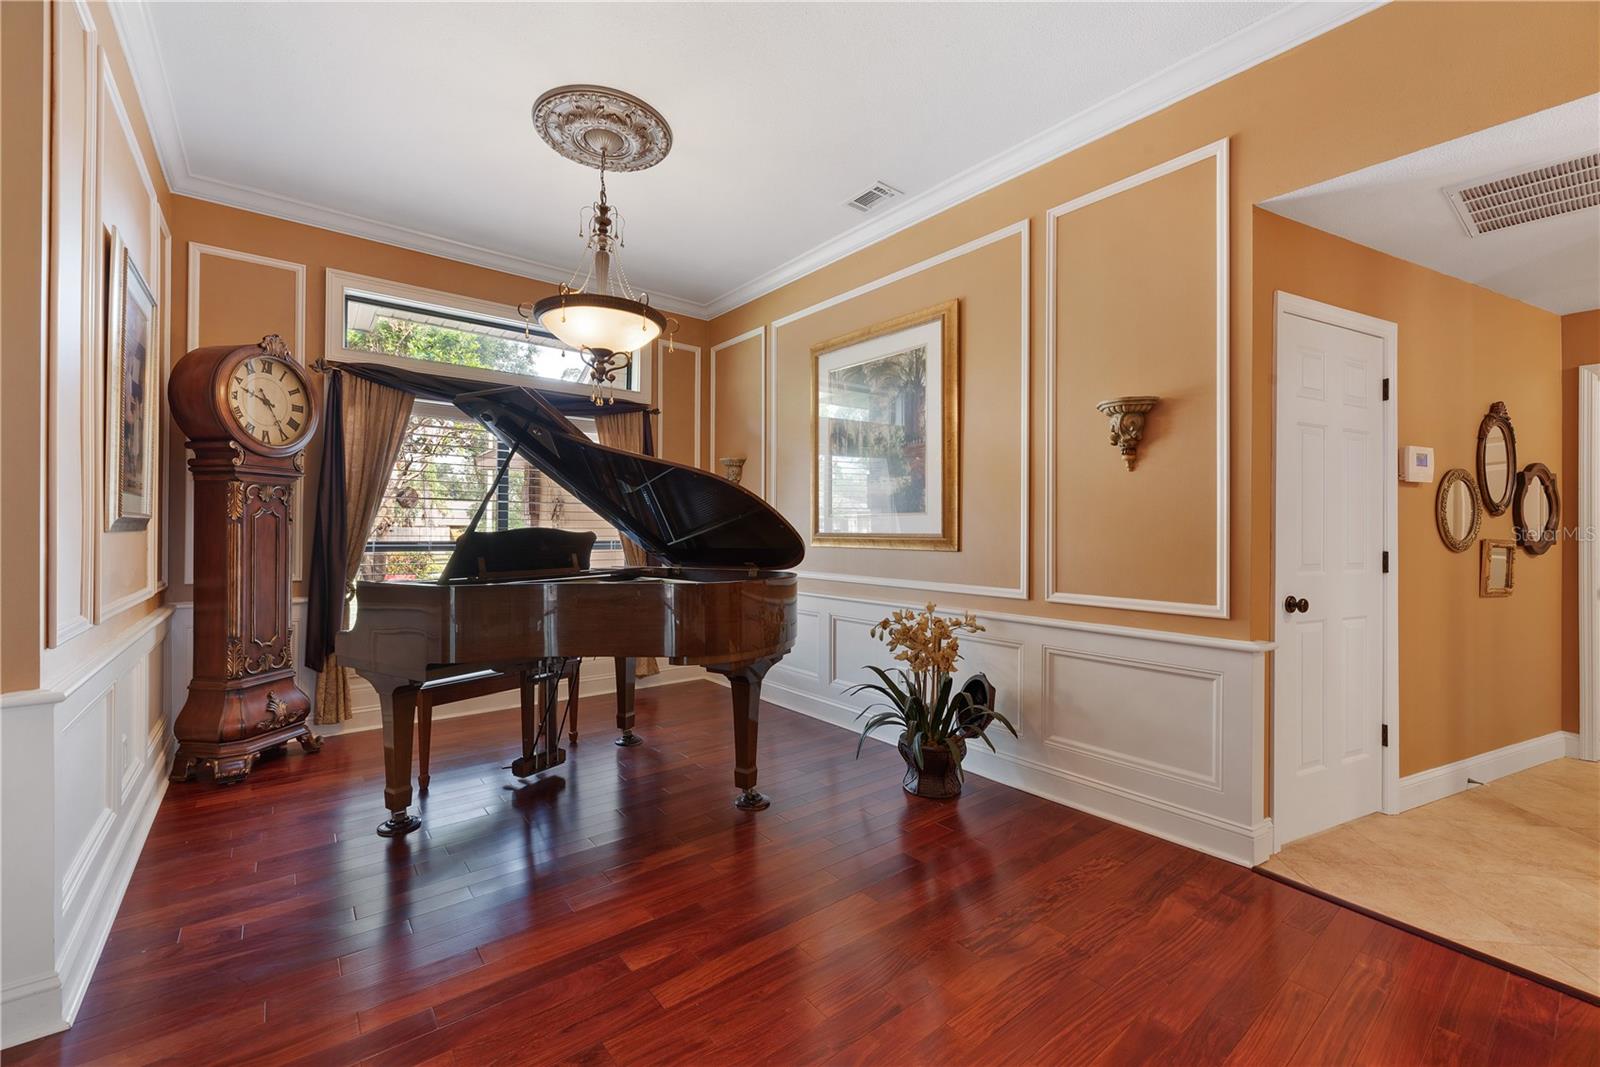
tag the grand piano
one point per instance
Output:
(716, 592)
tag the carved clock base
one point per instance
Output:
(232, 761)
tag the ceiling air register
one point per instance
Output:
(1527, 196)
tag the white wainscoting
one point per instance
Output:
(1163, 732)
(84, 771)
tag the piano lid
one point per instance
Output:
(680, 514)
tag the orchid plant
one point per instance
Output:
(920, 702)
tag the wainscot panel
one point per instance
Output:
(84, 771)
(1161, 731)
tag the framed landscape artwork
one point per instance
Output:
(130, 402)
(886, 434)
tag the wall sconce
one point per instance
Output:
(732, 468)
(1127, 414)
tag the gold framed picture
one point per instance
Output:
(131, 403)
(886, 434)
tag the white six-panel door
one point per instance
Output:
(1329, 662)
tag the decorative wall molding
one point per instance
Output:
(84, 772)
(1164, 732)
(1425, 787)
(192, 335)
(1218, 607)
(1255, 44)
(71, 441)
(663, 354)
(1018, 229)
(1588, 510)
(749, 335)
(105, 610)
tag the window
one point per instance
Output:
(446, 464)
(457, 335)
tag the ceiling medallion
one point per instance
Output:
(591, 123)
(596, 312)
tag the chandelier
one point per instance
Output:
(596, 311)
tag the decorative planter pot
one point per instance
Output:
(939, 777)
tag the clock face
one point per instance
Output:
(270, 402)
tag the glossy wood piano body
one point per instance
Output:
(719, 600)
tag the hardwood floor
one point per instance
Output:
(622, 911)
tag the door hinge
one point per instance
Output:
(1386, 561)
(1385, 735)
(1386, 389)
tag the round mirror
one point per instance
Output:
(1497, 459)
(1458, 515)
(1537, 513)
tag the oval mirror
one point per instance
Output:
(1497, 459)
(1458, 515)
(1536, 515)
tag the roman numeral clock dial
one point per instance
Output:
(247, 415)
(268, 399)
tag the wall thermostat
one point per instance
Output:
(1416, 464)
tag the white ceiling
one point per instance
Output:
(409, 123)
(1399, 207)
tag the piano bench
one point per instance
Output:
(479, 684)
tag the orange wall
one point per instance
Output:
(1399, 79)
(55, 553)
(240, 301)
(1580, 345)
(1475, 673)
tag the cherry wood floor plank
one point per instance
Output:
(620, 911)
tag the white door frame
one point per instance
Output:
(1588, 526)
(1389, 334)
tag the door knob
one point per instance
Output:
(1291, 605)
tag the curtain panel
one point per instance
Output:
(366, 425)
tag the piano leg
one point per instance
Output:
(625, 679)
(745, 681)
(398, 701)
(572, 700)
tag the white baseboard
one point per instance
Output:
(81, 950)
(1436, 783)
(1161, 732)
(1226, 840)
(85, 771)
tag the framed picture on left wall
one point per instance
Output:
(131, 403)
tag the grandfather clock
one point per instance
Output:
(248, 415)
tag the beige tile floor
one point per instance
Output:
(1511, 868)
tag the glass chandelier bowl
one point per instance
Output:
(599, 322)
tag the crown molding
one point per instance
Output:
(154, 90)
(1261, 41)
(1255, 44)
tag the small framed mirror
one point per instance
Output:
(1536, 511)
(1496, 563)
(1458, 514)
(1497, 459)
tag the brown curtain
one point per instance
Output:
(628, 431)
(374, 422)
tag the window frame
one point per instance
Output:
(342, 284)
(499, 509)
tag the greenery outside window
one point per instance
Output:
(446, 464)
(372, 320)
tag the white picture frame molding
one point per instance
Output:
(1218, 607)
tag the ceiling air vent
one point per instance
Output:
(1541, 193)
(875, 195)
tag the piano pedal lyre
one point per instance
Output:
(541, 732)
